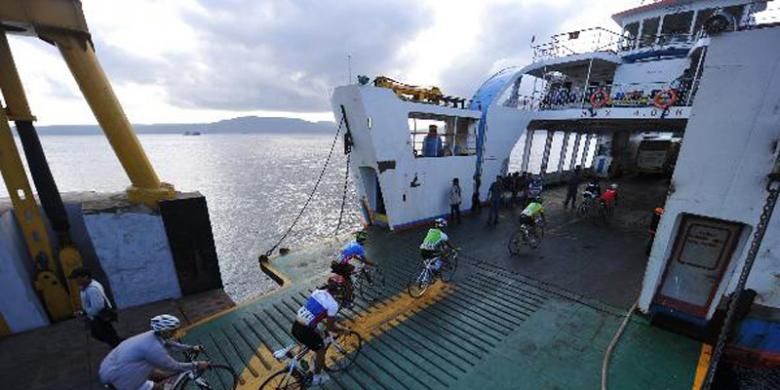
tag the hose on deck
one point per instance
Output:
(613, 343)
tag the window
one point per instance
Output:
(703, 15)
(676, 28)
(630, 33)
(433, 135)
(649, 31)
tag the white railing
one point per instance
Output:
(678, 92)
(577, 42)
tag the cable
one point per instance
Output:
(608, 354)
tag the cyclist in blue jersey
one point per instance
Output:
(317, 312)
(352, 251)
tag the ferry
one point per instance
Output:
(587, 308)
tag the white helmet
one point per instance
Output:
(165, 322)
(613, 186)
(440, 222)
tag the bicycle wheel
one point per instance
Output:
(583, 209)
(217, 377)
(370, 284)
(283, 379)
(530, 238)
(515, 242)
(420, 284)
(449, 267)
(343, 351)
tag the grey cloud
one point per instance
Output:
(284, 55)
(505, 40)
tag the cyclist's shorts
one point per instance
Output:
(428, 254)
(307, 336)
(343, 269)
(526, 219)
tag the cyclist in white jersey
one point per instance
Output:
(320, 309)
(130, 365)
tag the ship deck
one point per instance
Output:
(539, 320)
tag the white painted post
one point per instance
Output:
(584, 158)
(564, 147)
(529, 139)
(546, 154)
(575, 150)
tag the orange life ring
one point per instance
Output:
(599, 98)
(665, 99)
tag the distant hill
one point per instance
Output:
(240, 125)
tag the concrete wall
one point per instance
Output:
(726, 154)
(135, 255)
(20, 305)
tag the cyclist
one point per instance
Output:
(134, 361)
(320, 309)
(353, 250)
(610, 197)
(535, 187)
(434, 243)
(533, 214)
(593, 189)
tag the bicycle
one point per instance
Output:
(296, 374)
(427, 277)
(214, 377)
(370, 280)
(586, 206)
(526, 235)
(605, 212)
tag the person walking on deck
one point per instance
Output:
(455, 200)
(572, 185)
(96, 307)
(494, 194)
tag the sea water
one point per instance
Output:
(255, 186)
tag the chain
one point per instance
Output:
(265, 256)
(758, 236)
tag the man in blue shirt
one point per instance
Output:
(432, 146)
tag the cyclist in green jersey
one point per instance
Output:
(533, 214)
(435, 242)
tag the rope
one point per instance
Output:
(612, 344)
(311, 195)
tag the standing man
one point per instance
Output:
(432, 143)
(494, 194)
(572, 184)
(96, 307)
(455, 200)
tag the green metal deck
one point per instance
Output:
(492, 327)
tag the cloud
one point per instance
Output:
(272, 55)
(504, 40)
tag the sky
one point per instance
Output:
(190, 61)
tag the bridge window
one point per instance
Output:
(433, 135)
(649, 32)
(630, 33)
(676, 27)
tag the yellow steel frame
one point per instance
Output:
(432, 94)
(62, 23)
(29, 217)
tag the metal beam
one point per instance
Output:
(29, 16)
(29, 217)
(529, 140)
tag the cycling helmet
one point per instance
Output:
(440, 222)
(165, 322)
(335, 282)
(537, 199)
(361, 236)
(613, 186)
